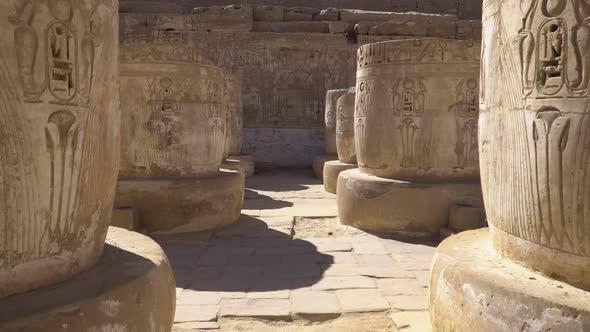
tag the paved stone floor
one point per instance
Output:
(288, 265)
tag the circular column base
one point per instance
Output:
(396, 207)
(318, 164)
(247, 163)
(332, 169)
(175, 205)
(474, 289)
(131, 288)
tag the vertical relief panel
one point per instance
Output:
(59, 125)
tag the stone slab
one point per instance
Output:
(131, 281)
(343, 282)
(412, 321)
(471, 287)
(196, 313)
(314, 305)
(271, 309)
(409, 302)
(361, 300)
(401, 286)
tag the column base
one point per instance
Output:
(247, 163)
(332, 169)
(474, 289)
(396, 207)
(172, 205)
(318, 164)
(131, 288)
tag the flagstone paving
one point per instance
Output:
(288, 265)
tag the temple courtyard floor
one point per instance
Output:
(288, 265)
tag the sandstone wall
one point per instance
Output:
(287, 59)
(470, 9)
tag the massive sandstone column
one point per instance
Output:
(534, 148)
(329, 131)
(416, 136)
(345, 144)
(59, 124)
(174, 127)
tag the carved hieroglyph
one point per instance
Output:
(232, 101)
(173, 116)
(332, 97)
(345, 128)
(417, 110)
(59, 127)
(535, 133)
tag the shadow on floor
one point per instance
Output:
(245, 257)
(283, 179)
(256, 201)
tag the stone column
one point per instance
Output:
(329, 132)
(345, 144)
(174, 137)
(60, 124)
(534, 141)
(416, 136)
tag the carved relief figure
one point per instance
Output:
(216, 118)
(165, 112)
(408, 108)
(466, 114)
(360, 118)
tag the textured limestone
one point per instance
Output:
(131, 288)
(331, 119)
(345, 143)
(319, 162)
(246, 163)
(332, 170)
(60, 143)
(426, 90)
(183, 204)
(465, 218)
(126, 218)
(406, 208)
(541, 135)
(472, 288)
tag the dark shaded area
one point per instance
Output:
(245, 257)
(255, 201)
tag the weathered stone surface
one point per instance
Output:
(548, 117)
(332, 170)
(409, 302)
(383, 205)
(344, 282)
(412, 321)
(345, 143)
(232, 101)
(298, 14)
(126, 218)
(273, 309)
(196, 313)
(329, 14)
(131, 281)
(471, 288)
(331, 119)
(315, 306)
(361, 300)
(339, 27)
(399, 286)
(166, 130)
(246, 163)
(437, 130)
(59, 126)
(219, 18)
(184, 204)
(292, 27)
(465, 218)
(269, 13)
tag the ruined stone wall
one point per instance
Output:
(468, 9)
(286, 61)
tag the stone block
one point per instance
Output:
(437, 6)
(315, 306)
(356, 15)
(169, 22)
(442, 28)
(150, 7)
(412, 321)
(363, 28)
(270, 309)
(292, 27)
(132, 279)
(471, 286)
(465, 218)
(269, 13)
(409, 302)
(361, 300)
(184, 204)
(332, 169)
(468, 29)
(401, 286)
(339, 27)
(218, 18)
(196, 313)
(297, 14)
(125, 217)
(401, 28)
(330, 14)
(343, 282)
